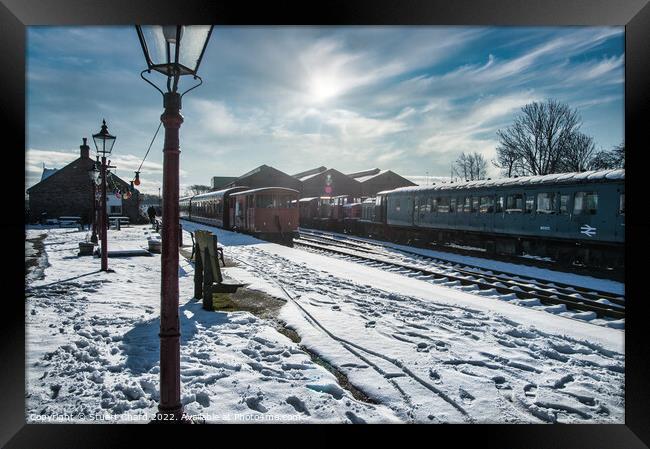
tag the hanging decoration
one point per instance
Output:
(136, 180)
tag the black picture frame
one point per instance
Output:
(16, 15)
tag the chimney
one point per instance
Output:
(85, 150)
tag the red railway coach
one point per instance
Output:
(210, 208)
(270, 213)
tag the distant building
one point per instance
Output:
(219, 182)
(69, 192)
(312, 171)
(329, 182)
(376, 180)
(266, 176)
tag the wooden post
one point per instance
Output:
(208, 280)
(198, 272)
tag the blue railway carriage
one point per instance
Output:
(578, 216)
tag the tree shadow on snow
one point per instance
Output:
(142, 343)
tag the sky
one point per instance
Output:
(409, 99)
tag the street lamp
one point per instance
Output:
(172, 51)
(104, 143)
(93, 174)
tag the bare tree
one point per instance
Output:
(578, 154)
(538, 139)
(614, 158)
(196, 189)
(470, 166)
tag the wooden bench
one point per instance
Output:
(207, 272)
(69, 222)
(117, 222)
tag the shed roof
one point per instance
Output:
(248, 192)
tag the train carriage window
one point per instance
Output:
(285, 202)
(468, 204)
(487, 204)
(452, 204)
(443, 205)
(514, 203)
(546, 203)
(530, 203)
(585, 203)
(621, 204)
(475, 203)
(565, 206)
(500, 204)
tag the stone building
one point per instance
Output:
(69, 191)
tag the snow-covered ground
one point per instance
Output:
(420, 352)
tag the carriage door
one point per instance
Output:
(546, 218)
(529, 225)
(586, 222)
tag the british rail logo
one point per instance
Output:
(588, 230)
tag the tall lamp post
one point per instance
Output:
(104, 143)
(93, 174)
(173, 51)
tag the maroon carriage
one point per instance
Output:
(270, 213)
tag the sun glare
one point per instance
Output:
(322, 88)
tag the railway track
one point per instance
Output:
(603, 304)
(365, 245)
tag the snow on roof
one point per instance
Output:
(365, 178)
(47, 172)
(305, 178)
(302, 174)
(311, 198)
(594, 175)
(218, 192)
(248, 192)
(359, 174)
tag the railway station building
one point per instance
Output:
(266, 176)
(376, 180)
(220, 182)
(329, 182)
(68, 191)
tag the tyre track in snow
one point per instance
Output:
(348, 345)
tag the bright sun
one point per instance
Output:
(322, 88)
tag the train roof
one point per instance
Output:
(218, 192)
(555, 178)
(261, 189)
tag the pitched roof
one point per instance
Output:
(366, 178)
(312, 171)
(359, 174)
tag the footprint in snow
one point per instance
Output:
(530, 390)
(466, 396)
(298, 405)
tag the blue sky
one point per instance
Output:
(409, 99)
